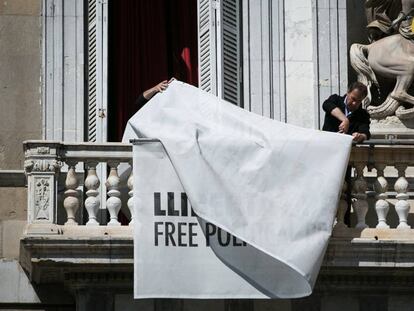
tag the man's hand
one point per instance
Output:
(344, 126)
(162, 86)
(359, 137)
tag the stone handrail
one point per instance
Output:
(380, 176)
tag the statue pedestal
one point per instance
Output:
(392, 127)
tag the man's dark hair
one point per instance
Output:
(360, 87)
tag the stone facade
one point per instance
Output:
(304, 43)
(20, 74)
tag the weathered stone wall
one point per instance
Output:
(20, 107)
(20, 119)
(20, 85)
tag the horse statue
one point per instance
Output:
(389, 57)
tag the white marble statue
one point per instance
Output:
(389, 57)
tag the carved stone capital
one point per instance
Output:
(42, 156)
(42, 165)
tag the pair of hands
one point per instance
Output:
(344, 127)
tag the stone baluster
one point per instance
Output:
(113, 203)
(359, 193)
(92, 202)
(342, 207)
(71, 202)
(402, 206)
(131, 197)
(381, 206)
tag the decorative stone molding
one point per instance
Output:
(348, 263)
(43, 150)
(42, 198)
(42, 165)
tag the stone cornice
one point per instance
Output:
(104, 256)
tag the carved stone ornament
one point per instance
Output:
(41, 199)
(28, 165)
(44, 165)
(43, 150)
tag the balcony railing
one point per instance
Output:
(65, 189)
(382, 172)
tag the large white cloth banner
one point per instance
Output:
(265, 194)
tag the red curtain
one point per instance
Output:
(149, 41)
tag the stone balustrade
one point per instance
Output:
(46, 162)
(70, 186)
(379, 187)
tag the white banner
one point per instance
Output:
(273, 186)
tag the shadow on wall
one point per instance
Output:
(356, 28)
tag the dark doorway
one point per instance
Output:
(149, 41)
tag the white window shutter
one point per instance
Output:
(97, 70)
(92, 103)
(207, 46)
(231, 57)
(219, 44)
